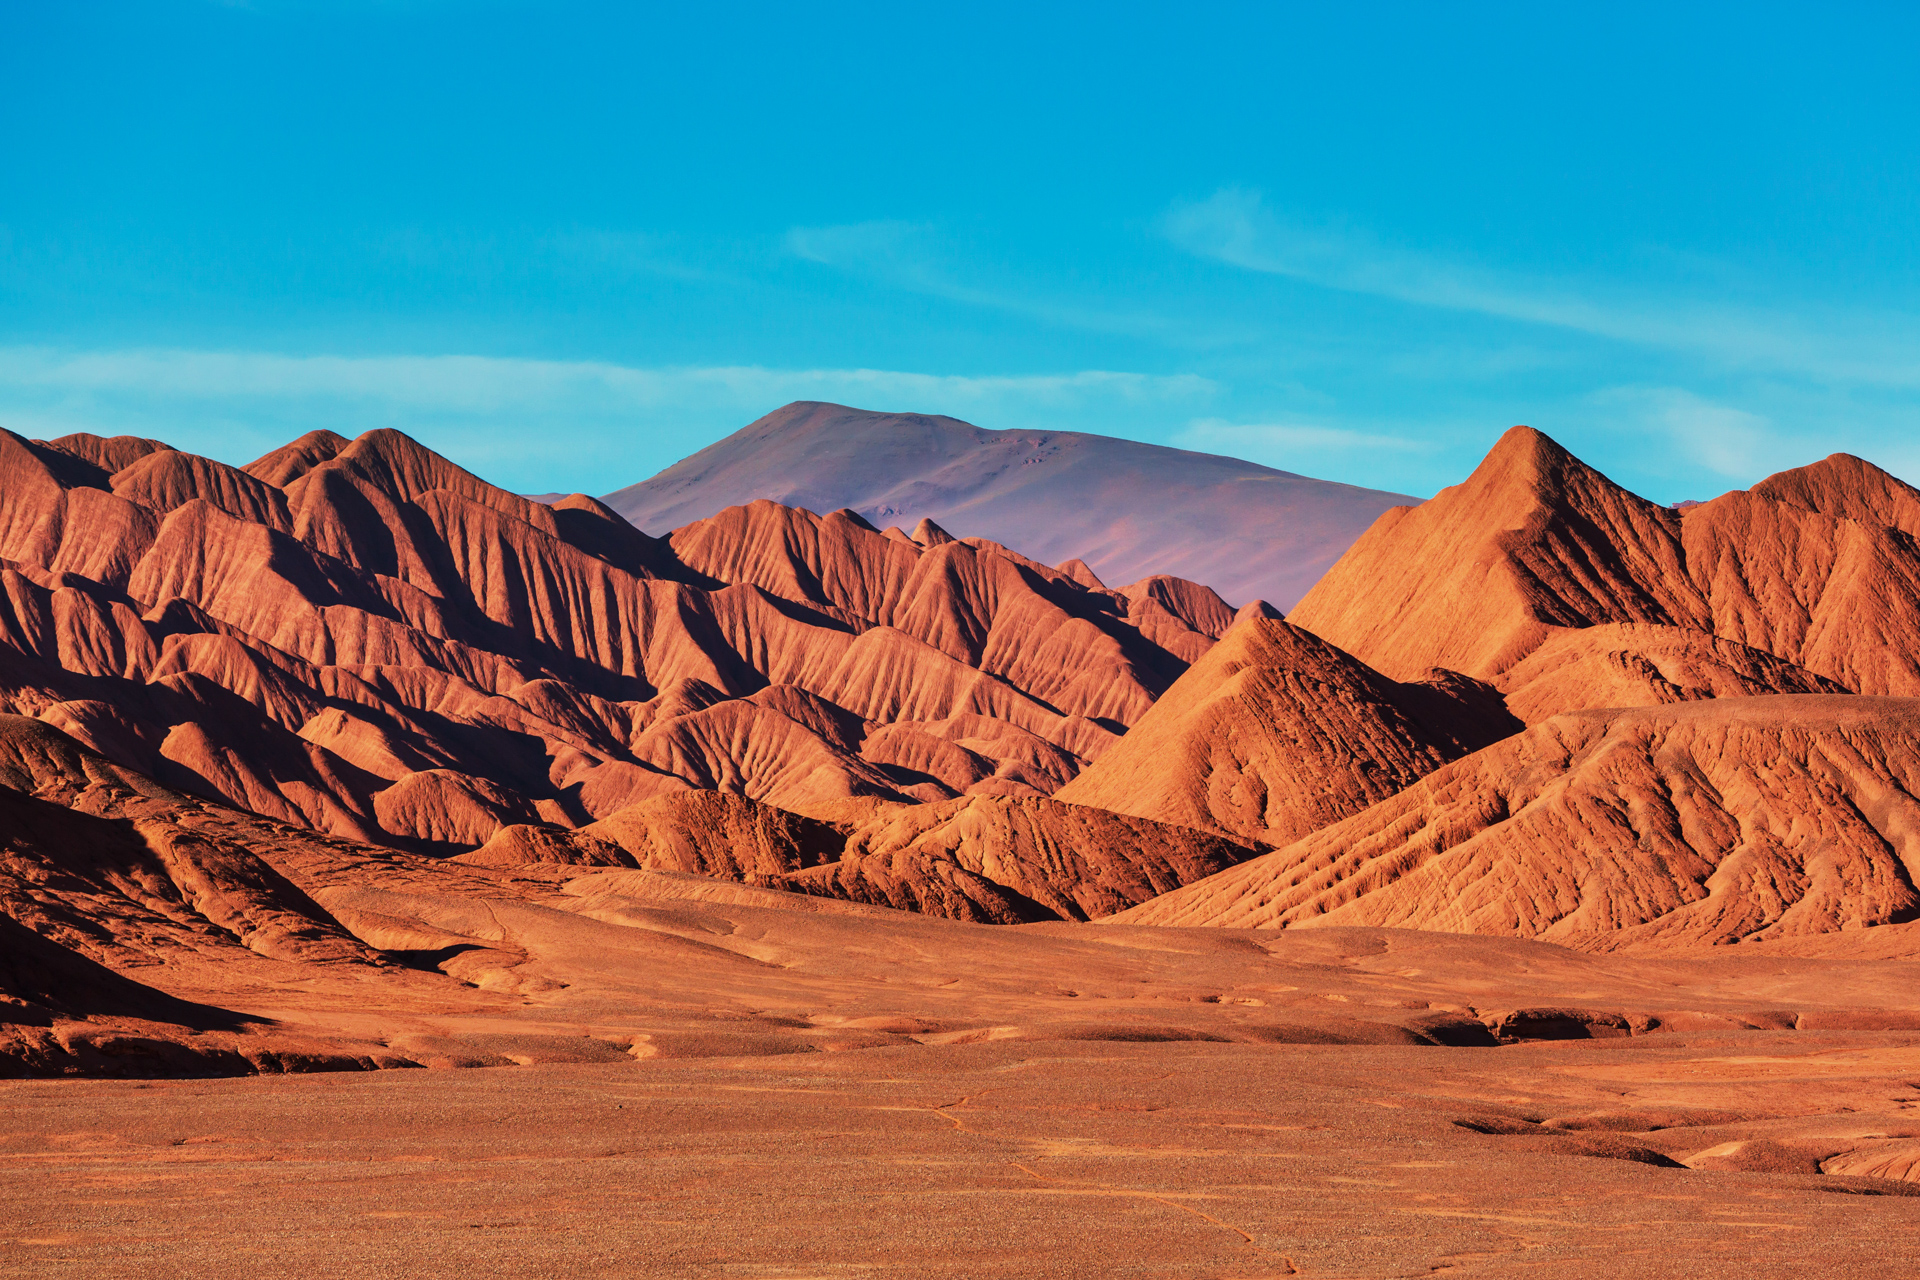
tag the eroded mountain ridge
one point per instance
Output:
(313, 710)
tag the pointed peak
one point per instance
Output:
(1525, 451)
(581, 502)
(1529, 466)
(21, 458)
(406, 469)
(1199, 607)
(1081, 572)
(390, 445)
(1257, 609)
(929, 534)
(852, 517)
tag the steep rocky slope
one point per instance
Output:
(271, 705)
(1692, 774)
(1809, 581)
(1713, 822)
(1275, 733)
(361, 638)
(1127, 510)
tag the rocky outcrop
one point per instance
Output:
(1816, 568)
(1276, 733)
(330, 634)
(1711, 822)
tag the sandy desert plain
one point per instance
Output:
(401, 877)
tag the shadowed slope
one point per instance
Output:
(987, 859)
(1275, 733)
(107, 863)
(1039, 860)
(360, 637)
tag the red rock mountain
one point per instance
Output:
(335, 710)
(1712, 822)
(1275, 733)
(1690, 776)
(1542, 576)
(361, 639)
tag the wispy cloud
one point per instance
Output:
(626, 252)
(492, 384)
(1236, 227)
(1251, 439)
(1727, 441)
(913, 257)
(548, 423)
(1375, 459)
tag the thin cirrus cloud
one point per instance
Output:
(1237, 228)
(1370, 458)
(1739, 445)
(910, 256)
(602, 424)
(1249, 440)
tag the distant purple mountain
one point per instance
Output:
(1129, 510)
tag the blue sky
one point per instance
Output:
(569, 243)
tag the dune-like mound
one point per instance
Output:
(1713, 822)
(1275, 733)
(983, 858)
(708, 833)
(1123, 511)
(1009, 859)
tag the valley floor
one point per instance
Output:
(668, 1086)
(1000, 1159)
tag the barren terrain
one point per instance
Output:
(401, 877)
(830, 1094)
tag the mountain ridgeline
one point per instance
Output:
(269, 711)
(1125, 510)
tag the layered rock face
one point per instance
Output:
(1713, 822)
(361, 638)
(1808, 582)
(1275, 733)
(253, 709)
(1693, 773)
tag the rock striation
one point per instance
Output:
(1275, 733)
(1736, 820)
(361, 638)
(351, 713)
(1808, 582)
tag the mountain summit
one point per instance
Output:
(1128, 510)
